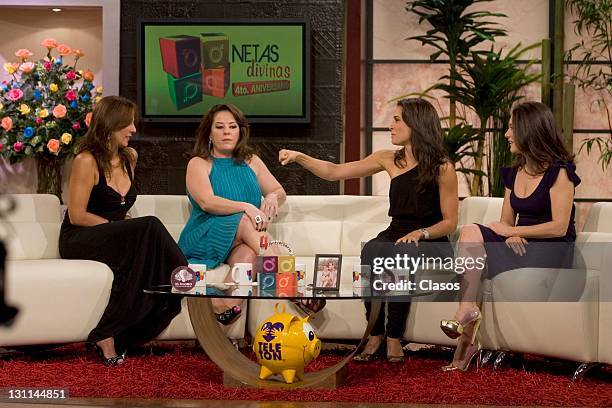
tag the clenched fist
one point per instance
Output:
(287, 156)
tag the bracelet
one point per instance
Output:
(425, 233)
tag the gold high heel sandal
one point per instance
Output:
(455, 328)
(473, 350)
(469, 350)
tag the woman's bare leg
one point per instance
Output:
(471, 245)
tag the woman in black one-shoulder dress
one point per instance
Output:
(537, 222)
(423, 204)
(140, 251)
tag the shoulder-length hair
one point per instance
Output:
(242, 152)
(111, 114)
(426, 139)
(537, 136)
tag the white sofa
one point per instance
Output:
(61, 300)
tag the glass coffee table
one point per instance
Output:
(238, 369)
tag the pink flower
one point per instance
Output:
(88, 118)
(47, 65)
(6, 123)
(27, 67)
(76, 126)
(18, 146)
(71, 95)
(70, 75)
(49, 43)
(1, 147)
(59, 111)
(14, 94)
(63, 49)
(38, 121)
(53, 145)
(23, 53)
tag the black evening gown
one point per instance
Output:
(411, 207)
(140, 252)
(532, 210)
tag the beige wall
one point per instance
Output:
(527, 23)
(21, 27)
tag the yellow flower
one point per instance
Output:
(24, 109)
(99, 90)
(98, 98)
(11, 68)
(43, 113)
(66, 138)
(1, 106)
(53, 87)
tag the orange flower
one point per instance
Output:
(49, 43)
(63, 49)
(88, 118)
(88, 76)
(23, 53)
(59, 111)
(78, 53)
(7, 123)
(53, 146)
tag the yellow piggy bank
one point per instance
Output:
(285, 344)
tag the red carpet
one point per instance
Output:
(186, 373)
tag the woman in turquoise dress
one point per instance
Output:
(233, 194)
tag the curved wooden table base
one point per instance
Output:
(239, 367)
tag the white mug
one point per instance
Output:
(242, 273)
(200, 271)
(300, 270)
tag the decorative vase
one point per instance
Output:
(49, 171)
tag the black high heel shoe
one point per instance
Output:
(113, 361)
(229, 316)
(378, 354)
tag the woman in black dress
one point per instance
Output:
(139, 251)
(423, 203)
(540, 191)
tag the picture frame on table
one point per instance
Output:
(327, 270)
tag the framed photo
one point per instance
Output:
(327, 272)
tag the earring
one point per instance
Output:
(210, 144)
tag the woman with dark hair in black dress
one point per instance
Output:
(423, 204)
(140, 251)
(538, 209)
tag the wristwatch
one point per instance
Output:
(425, 233)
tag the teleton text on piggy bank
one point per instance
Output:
(285, 344)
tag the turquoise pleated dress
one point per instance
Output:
(207, 238)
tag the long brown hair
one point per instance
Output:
(111, 114)
(425, 139)
(537, 136)
(242, 152)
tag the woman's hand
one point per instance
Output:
(412, 237)
(258, 218)
(501, 229)
(269, 206)
(287, 156)
(517, 244)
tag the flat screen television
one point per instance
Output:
(261, 66)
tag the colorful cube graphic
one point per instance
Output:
(185, 91)
(180, 55)
(216, 81)
(215, 50)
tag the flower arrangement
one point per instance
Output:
(45, 107)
